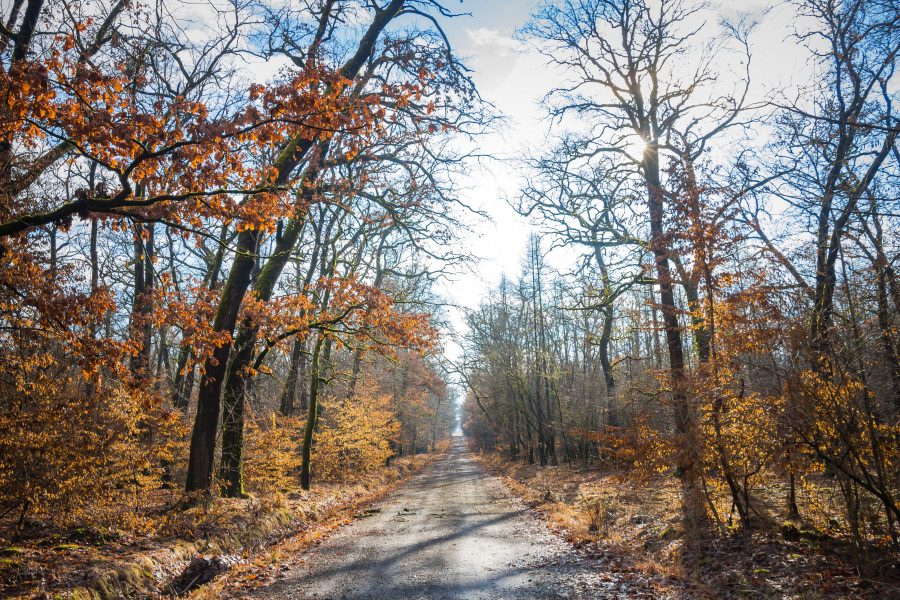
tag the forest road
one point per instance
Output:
(451, 532)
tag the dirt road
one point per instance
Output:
(453, 531)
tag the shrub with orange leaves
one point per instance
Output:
(355, 437)
(77, 439)
(739, 445)
(271, 454)
(70, 453)
(833, 419)
(639, 447)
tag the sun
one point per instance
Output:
(636, 146)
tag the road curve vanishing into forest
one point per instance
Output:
(452, 532)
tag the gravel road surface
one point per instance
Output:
(453, 531)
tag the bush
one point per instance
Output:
(355, 437)
(71, 451)
(272, 455)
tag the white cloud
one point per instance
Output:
(493, 55)
(482, 37)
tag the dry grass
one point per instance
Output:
(634, 529)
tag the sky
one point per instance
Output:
(513, 81)
(505, 76)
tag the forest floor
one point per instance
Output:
(452, 532)
(450, 525)
(634, 528)
(143, 557)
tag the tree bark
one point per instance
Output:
(289, 394)
(687, 462)
(829, 238)
(141, 326)
(319, 357)
(605, 338)
(203, 436)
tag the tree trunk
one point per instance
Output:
(289, 394)
(319, 357)
(54, 261)
(238, 371)
(203, 437)
(885, 282)
(701, 333)
(612, 417)
(687, 462)
(828, 249)
(95, 263)
(605, 337)
(183, 382)
(358, 353)
(141, 326)
(20, 50)
(231, 467)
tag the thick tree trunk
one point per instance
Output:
(203, 437)
(828, 249)
(886, 287)
(231, 467)
(793, 509)
(654, 344)
(701, 333)
(141, 326)
(54, 260)
(183, 382)
(26, 31)
(95, 263)
(687, 462)
(245, 343)
(289, 394)
(605, 338)
(612, 416)
(354, 373)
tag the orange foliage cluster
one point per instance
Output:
(640, 447)
(371, 316)
(172, 159)
(356, 437)
(191, 308)
(77, 437)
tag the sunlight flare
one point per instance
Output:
(636, 146)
